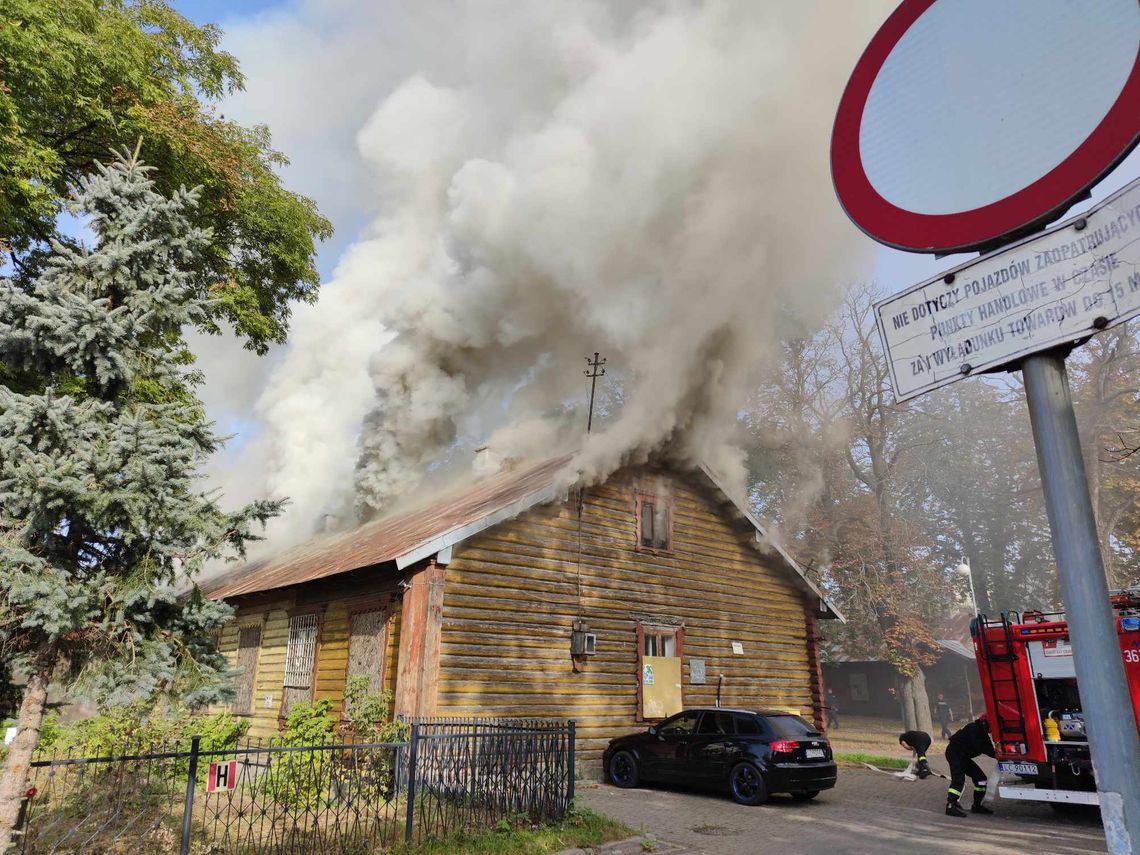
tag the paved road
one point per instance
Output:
(867, 812)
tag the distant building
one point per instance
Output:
(664, 589)
(870, 686)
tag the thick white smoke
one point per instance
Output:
(553, 179)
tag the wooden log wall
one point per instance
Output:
(334, 600)
(512, 593)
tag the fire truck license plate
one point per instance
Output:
(1018, 768)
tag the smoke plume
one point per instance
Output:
(553, 179)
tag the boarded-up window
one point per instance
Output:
(249, 643)
(653, 523)
(659, 651)
(366, 647)
(299, 659)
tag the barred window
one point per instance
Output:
(299, 659)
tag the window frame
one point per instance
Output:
(319, 613)
(643, 628)
(642, 498)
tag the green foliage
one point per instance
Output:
(103, 526)
(369, 713)
(860, 757)
(310, 724)
(142, 726)
(517, 836)
(79, 78)
(9, 694)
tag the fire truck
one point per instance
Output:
(1033, 703)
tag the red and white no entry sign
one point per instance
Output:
(969, 121)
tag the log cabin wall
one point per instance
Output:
(513, 592)
(334, 601)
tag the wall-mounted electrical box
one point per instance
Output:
(582, 643)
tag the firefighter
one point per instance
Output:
(969, 742)
(918, 741)
(943, 715)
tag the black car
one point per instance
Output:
(753, 753)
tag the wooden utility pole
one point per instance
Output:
(595, 371)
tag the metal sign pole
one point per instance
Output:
(1092, 625)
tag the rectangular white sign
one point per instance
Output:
(1056, 287)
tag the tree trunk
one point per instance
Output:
(907, 691)
(14, 775)
(921, 701)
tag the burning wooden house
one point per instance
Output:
(614, 605)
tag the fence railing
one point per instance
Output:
(450, 776)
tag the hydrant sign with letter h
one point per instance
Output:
(222, 776)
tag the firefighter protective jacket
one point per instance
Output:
(972, 740)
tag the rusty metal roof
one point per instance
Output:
(403, 537)
(410, 536)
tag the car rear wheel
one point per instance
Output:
(623, 770)
(805, 795)
(747, 785)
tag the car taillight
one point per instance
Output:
(1014, 747)
(784, 746)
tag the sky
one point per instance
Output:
(322, 89)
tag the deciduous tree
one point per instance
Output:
(79, 78)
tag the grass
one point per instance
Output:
(860, 757)
(580, 828)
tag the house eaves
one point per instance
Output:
(764, 543)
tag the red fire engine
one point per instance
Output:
(1032, 701)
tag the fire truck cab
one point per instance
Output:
(1033, 703)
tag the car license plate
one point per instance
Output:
(1018, 768)
(814, 753)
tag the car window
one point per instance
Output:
(747, 725)
(716, 723)
(680, 724)
(790, 726)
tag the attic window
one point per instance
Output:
(654, 523)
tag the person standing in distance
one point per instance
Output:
(943, 715)
(969, 742)
(832, 710)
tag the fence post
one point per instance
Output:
(188, 810)
(409, 819)
(570, 768)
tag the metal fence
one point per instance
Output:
(451, 775)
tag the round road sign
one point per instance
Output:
(967, 122)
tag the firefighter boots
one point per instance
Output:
(979, 794)
(923, 769)
(953, 808)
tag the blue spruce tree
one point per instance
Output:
(103, 524)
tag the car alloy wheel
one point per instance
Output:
(747, 786)
(623, 770)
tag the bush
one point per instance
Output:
(369, 713)
(135, 727)
(310, 724)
